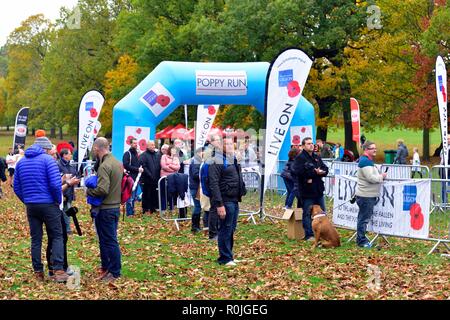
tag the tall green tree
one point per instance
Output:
(79, 59)
(27, 46)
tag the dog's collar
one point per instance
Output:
(320, 216)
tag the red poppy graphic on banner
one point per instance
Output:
(142, 144)
(163, 100)
(129, 140)
(293, 89)
(417, 218)
(93, 113)
(211, 110)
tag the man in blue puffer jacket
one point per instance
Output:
(37, 183)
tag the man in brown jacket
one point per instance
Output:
(109, 182)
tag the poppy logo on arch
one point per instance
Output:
(157, 99)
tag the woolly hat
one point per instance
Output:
(44, 143)
(39, 133)
(64, 145)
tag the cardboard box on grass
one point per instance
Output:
(294, 223)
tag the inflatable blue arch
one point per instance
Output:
(172, 84)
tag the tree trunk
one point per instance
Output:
(324, 112)
(426, 144)
(33, 131)
(61, 133)
(52, 133)
(345, 102)
(7, 128)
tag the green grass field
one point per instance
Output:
(160, 262)
(6, 141)
(387, 138)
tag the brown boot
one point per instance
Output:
(101, 273)
(109, 278)
(39, 275)
(60, 276)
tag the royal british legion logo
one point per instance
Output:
(89, 105)
(284, 77)
(157, 99)
(442, 88)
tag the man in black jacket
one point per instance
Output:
(309, 169)
(227, 188)
(130, 162)
(150, 161)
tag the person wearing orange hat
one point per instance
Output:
(39, 133)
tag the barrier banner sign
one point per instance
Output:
(90, 106)
(286, 80)
(20, 129)
(97, 129)
(141, 134)
(441, 90)
(356, 127)
(298, 133)
(206, 114)
(402, 209)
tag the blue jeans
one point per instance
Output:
(106, 223)
(50, 216)
(290, 196)
(196, 213)
(227, 227)
(213, 222)
(66, 206)
(307, 222)
(365, 213)
(130, 203)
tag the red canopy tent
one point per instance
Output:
(168, 134)
(180, 133)
(215, 130)
(191, 134)
(160, 135)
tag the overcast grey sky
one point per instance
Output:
(13, 12)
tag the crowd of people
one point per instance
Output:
(43, 178)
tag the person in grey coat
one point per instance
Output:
(402, 153)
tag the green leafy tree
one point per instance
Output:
(27, 46)
(79, 59)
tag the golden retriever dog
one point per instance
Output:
(324, 231)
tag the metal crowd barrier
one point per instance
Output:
(440, 206)
(405, 172)
(249, 207)
(275, 197)
(162, 212)
(440, 195)
(439, 225)
(88, 169)
(440, 188)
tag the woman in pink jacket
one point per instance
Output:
(170, 163)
